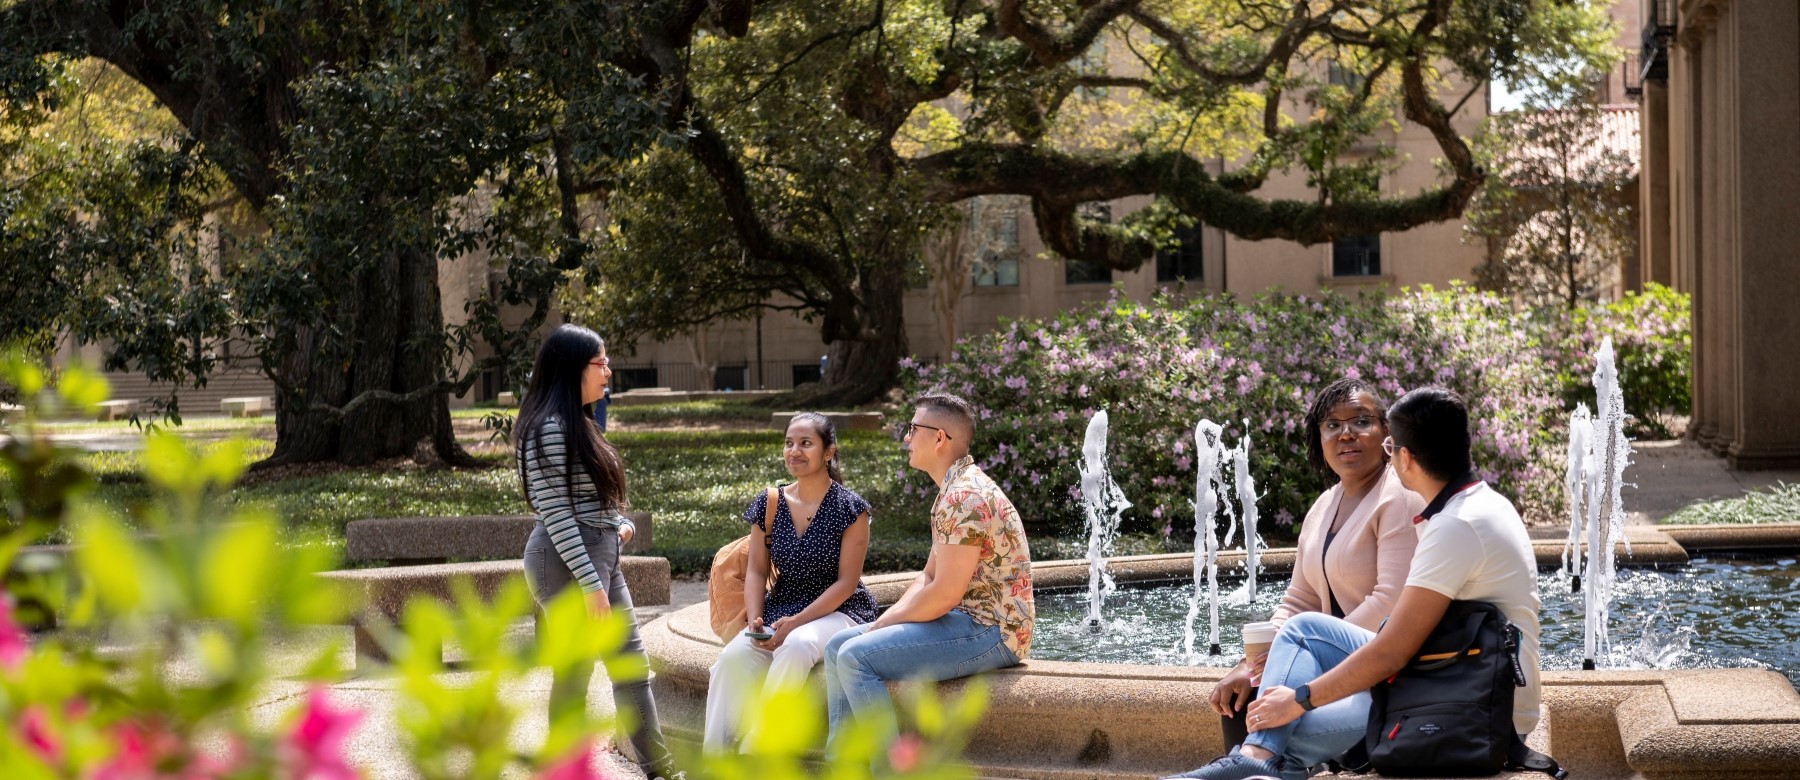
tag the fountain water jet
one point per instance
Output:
(1105, 503)
(1207, 454)
(1608, 455)
(1574, 485)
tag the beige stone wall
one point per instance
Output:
(1722, 162)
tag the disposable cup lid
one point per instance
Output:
(1259, 632)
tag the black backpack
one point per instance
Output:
(1448, 712)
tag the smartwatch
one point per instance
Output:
(1303, 696)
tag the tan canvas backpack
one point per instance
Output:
(725, 585)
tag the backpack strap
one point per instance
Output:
(1519, 757)
(769, 519)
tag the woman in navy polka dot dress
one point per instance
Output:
(816, 539)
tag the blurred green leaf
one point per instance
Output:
(83, 389)
(111, 562)
(237, 570)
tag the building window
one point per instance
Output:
(731, 378)
(997, 254)
(806, 372)
(1356, 256)
(1181, 262)
(1082, 271)
(633, 378)
(1342, 76)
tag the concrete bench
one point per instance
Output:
(507, 399)
(108, 411)
(10, 412)
(845, 421)
(473, 537)
(246, 406)
(384, 592)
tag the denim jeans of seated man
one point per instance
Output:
(859, 664)
(1309, 645)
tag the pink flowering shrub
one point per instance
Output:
(1653, 335)
(1253, 365)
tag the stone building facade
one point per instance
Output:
(1720, 210)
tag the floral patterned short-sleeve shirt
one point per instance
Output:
(971, 510)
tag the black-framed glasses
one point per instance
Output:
(1360, 424)
(905, 429)
(1387, 446)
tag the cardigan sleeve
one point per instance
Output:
(1301, 595)
(1395, 540)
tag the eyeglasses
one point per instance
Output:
(906, 429)
(604, 362)
(1387, 446)
(1360, 425)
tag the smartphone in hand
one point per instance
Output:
(759, 635)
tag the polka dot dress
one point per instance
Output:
(808, 564)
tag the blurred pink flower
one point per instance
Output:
(13, 646)
(905, 752)
(577, 765)
(315, 749)
(35, 733)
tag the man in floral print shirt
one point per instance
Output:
(970, 610)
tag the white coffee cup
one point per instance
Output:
(1257, 638)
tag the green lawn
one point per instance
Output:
(696, 483)
(1779, 504)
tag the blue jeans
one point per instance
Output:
(859, 664)
(1310, 644)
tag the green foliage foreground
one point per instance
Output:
(153, 650)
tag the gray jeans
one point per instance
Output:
(547, 575)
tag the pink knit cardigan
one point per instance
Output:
(1368, 561)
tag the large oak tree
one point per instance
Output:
(826, 138)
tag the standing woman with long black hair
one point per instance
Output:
(574, 480)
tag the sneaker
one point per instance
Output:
(1233, 766)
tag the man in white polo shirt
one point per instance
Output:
(1472, 546)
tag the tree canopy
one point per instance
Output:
(824, 139)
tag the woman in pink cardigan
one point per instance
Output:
(1356, 543)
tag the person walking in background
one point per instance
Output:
(970, 610)
(817, 535)
(574, 480)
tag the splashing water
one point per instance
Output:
(1608, 455)
(1246, 496)
(1207, 454)
(1105, 503)
(1581, 428)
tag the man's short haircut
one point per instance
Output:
(951, 405)
(1432, 423)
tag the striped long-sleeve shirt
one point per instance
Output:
(564, 497)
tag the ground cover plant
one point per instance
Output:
(1778, 504)
(1253, 364)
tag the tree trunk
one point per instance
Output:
(392, 328)
(860, 369)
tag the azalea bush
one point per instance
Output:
(145, 652)
(1652, 332)
(1253, 365)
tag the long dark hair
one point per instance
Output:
(555, 394)
(1327, 399)
(827, 440)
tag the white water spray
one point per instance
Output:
(1246, 495)
(1207, 452)
(1105, 503)
(1609, 453)
(1581, 428)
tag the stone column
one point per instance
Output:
(1764, 300)
(1655, 252)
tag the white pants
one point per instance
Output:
(741, 669)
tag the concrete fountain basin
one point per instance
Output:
(1054, 720)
